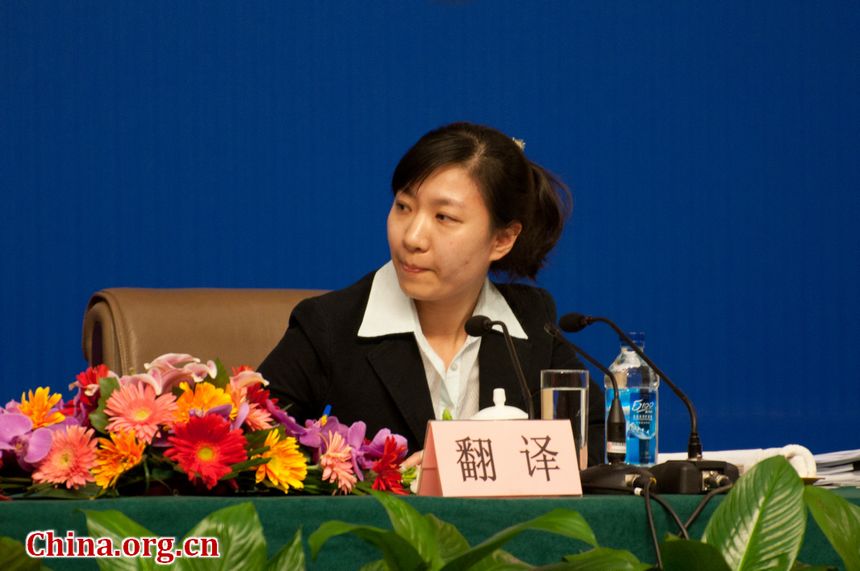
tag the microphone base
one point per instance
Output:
(693, 476)
(613, 478)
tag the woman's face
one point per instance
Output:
(441, 238)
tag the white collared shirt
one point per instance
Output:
(390, 311)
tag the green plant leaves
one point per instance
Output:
(839, 520)
(397, 552)
(13, 557)
(409, 524)
(241, 542)
(561, 521)
(677, 555)
(291, 556)
(98, 418)
(761, 523)
(117, 526)
(601, 558)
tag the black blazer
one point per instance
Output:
(321, 361)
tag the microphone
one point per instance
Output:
(480, 325)
(693, 475)
(615, 476)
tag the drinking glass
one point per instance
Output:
(564, 395)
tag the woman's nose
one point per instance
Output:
(415, 234)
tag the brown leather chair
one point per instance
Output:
(127, 327)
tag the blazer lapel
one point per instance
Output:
(397, 363)
(497, 371)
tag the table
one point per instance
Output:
(618, 521)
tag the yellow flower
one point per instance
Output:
(286, 467)
(201, 399)
(38, 407)
(116, 456)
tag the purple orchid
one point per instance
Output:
(291, 427)
(372, 451)
(17, 434)
(355, 439)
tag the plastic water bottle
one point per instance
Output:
(638, 392)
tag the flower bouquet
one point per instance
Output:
(185, 426)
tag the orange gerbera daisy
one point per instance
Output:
(134, 407)
(337, 463)
(205, 448)
(200, 399)
(116, 456)
(72, 455)
(287, 467)
(39, 407)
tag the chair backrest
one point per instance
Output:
(127, 327)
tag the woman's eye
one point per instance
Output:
(444, 218)
(400, 206)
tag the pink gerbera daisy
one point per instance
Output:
(135, 408)
(337, 462)
(72, 455)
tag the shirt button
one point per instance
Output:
(454, 367)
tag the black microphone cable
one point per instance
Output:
(646, 491)
(708, 497)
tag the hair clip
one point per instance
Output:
(520, 143)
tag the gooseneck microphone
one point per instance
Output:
(573, 322)
(480, 325)
(691, 476)
(616, 426)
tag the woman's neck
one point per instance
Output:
(443, 322)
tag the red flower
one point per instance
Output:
(387, 468)
(205, 448)
(90, 378)
(241, 369)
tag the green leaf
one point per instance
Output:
(291, 556)
(760, 524)
(61, 493)
(409, 524)
(378, 565)
(500, 560)
(98, 418)
(397, 552)
(678, 553)
(449, 540)
(561, 521)
(601, 558)
(13, 557)
(839, 520)
(117, 526)
(222, 377)
(241, 542)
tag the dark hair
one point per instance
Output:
(513, 187)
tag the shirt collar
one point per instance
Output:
(390, 311)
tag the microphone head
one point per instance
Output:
(573, 322)
(478, 325)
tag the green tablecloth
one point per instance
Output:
(618, 521)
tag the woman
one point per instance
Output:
(391, 350)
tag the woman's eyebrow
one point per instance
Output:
(446, 201)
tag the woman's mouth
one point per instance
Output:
(410, 269)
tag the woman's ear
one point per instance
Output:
(505, 239)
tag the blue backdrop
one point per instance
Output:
(712, 148)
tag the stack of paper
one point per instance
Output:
(838, 468)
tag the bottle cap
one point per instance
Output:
(638, 337)
(500, 411)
